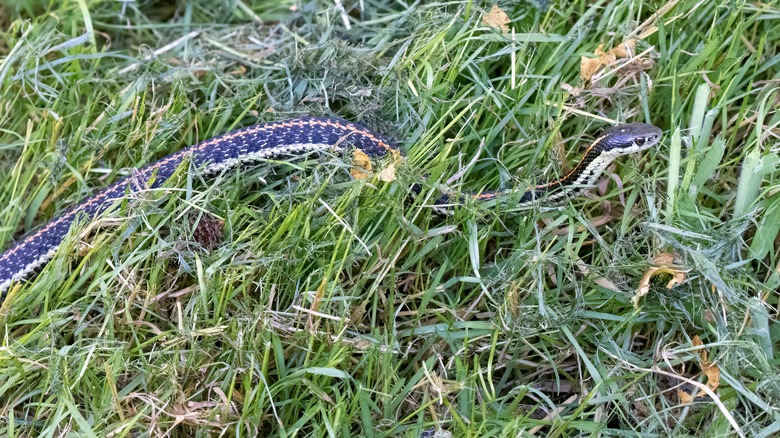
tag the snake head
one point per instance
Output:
(630, 138)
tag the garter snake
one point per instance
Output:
(291, 138)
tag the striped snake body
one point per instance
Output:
(295, 137)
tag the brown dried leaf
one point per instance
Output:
(624, 50)
(639, 64)
(589, 66)
(665, 259)
(713, 376)
(666, 266)
(600, 51)
(684, 397)
(710, 370)
(571, 90)
(496, 19)
(698, 343)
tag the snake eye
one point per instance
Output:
(640, 141)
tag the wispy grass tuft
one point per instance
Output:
(331, 306)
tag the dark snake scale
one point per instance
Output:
(294, 137)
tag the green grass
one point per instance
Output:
(339, 307)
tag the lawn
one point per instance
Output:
(288, 298)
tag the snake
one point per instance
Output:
(291, 138)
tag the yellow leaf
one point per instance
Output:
(361, 165)
(666, 266)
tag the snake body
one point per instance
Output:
(294, 137)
